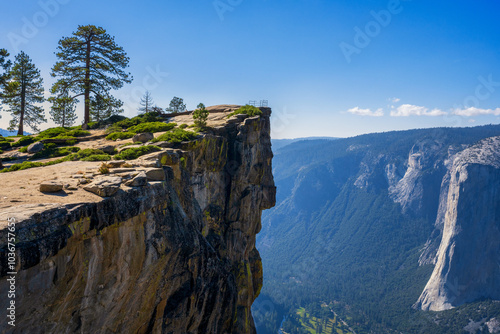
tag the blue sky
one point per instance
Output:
(327, 68)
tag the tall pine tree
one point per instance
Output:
(90, 62)
(63, 111)
(102, 108)
(22, 92)
(4, 71)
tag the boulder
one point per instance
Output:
(155, 174)
(143, 137)
(139, 181)
(105, 186)
(35, 147)
(51, 186)
(108, 149)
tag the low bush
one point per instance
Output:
(120, 135)
(135, 152)
(50, 150)
(24, 141)
(176, 136)
(97, 157)
(82, 154)
(246, 109)
(183, 126)
(152, 127)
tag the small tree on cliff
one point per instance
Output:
(90, 62)
(176, 105)
(200, 116)
(22, 92)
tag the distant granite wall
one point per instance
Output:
(468, 259)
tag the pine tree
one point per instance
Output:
(177, 105)
(90, 63)
(23, 91)
(63, 111)
(146, 103)
(4, 71)
(102, 108)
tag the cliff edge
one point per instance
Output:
(174, 255)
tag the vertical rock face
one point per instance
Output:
(173, 257)
(468, 259)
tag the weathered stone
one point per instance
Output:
(108, 149)
(155, 174)
(143, 137)
(105, 186)
(139, 181)
(35, 147)
(115, 163)
(122, 170)
(51, 186)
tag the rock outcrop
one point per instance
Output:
(468, 260)
(172, 256)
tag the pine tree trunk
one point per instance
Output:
(20, 132)
(87, 84)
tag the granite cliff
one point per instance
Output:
(176, 255)
(468, 259)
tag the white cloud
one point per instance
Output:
(472, 111)
(366, 112)
(394, 100)
(412, 110)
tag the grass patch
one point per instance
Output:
(152, 127)
(246, 109)
(135, 152)
(183, 126)
(120, 135)
(24, 149)
(176, 136)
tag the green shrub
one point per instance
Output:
(120, 135)
(97, 157)
(176, 136)
(183, 126)
(51, 133)
(31, 164)
(50, 150)
(24, 141)
(77, 133)
(135, 152)
(93, 125)
(113, 128)
(152, 127)
(24, 149)
(4, 145)
(247, 109)
(82, 154)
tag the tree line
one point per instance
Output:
(90, 65)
